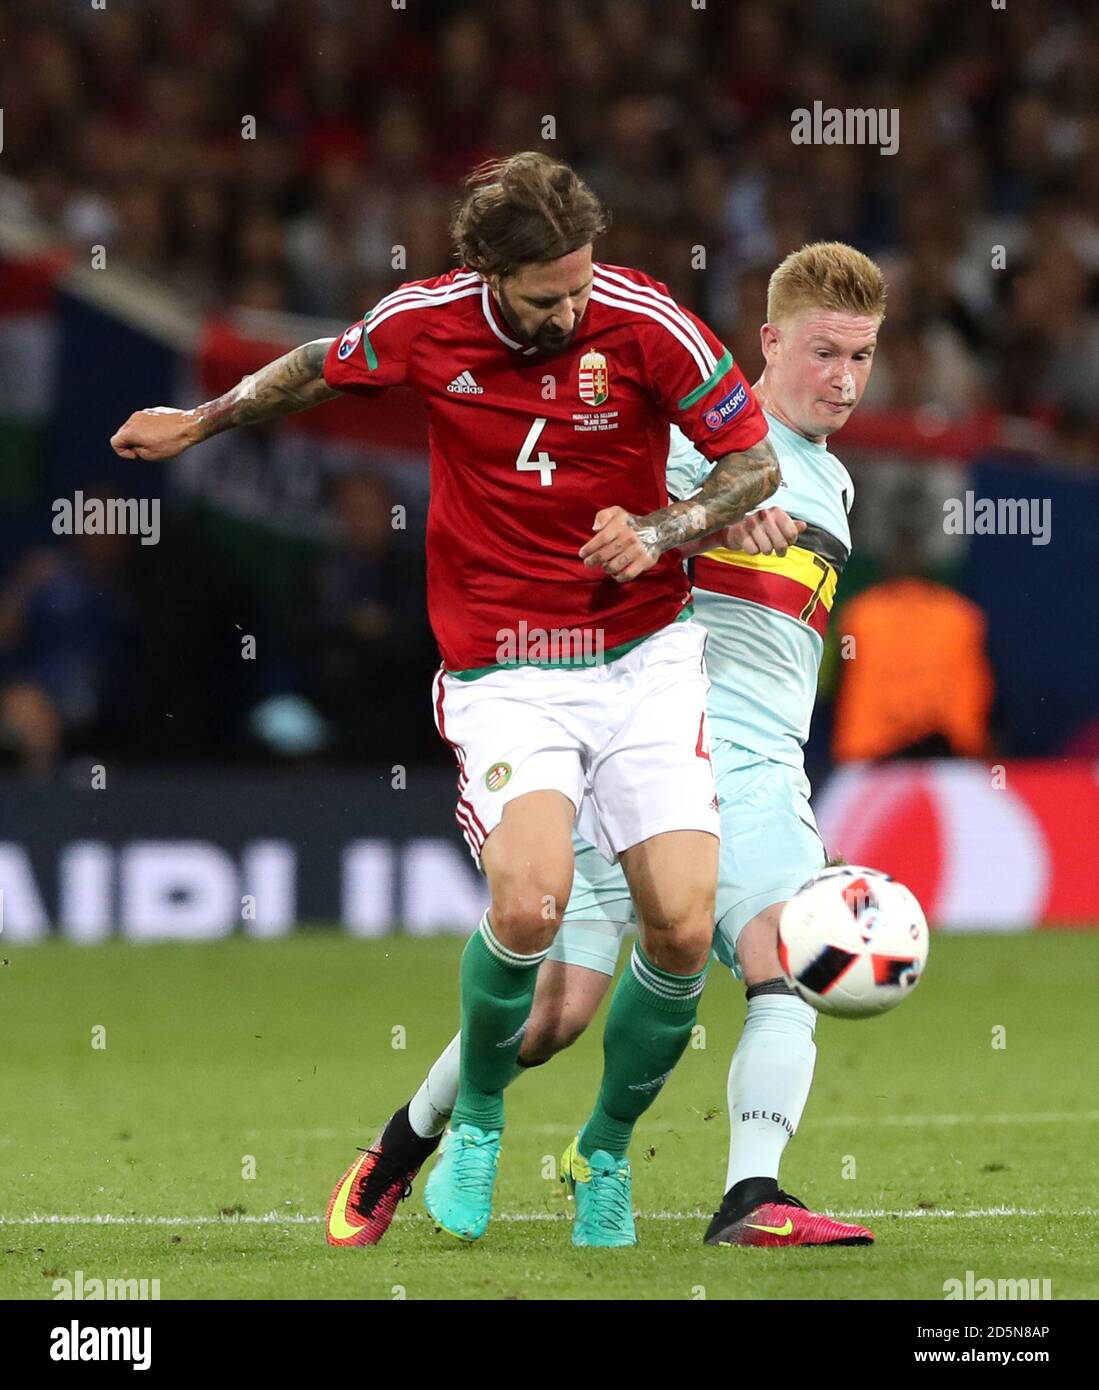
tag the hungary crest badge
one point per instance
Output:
(595, 381)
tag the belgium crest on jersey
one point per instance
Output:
(595, 380)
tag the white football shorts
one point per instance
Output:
(626, 741)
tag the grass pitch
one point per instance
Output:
(127, 1152)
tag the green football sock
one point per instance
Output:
(497, 987)
(648, 1026)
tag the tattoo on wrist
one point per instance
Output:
(647, 535)
(736, 484)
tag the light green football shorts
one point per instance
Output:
(769, 847)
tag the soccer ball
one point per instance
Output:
(852, 942)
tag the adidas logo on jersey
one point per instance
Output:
(464, 385)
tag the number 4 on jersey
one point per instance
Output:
(541, 463)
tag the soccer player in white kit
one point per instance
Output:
(764, 593)
(571, 668)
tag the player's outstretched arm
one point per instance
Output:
(627, 545)
(293, 382)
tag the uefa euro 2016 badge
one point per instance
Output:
(498, 776)
(595, 379)
(349, 342)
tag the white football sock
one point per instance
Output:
(431, 1106)
(769, 1080)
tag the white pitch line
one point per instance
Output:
(1051, 1117)
(277, 1218)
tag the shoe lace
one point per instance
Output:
(386, 1171)
(475, 1165)
(783, 1199)
(610, 1190)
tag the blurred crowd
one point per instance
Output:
(128, 126)
(171, 653)
(305, 155)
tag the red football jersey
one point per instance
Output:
(526, 447)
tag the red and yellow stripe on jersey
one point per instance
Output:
(802, 583)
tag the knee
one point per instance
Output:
(525, 919)
(681, 946)
(757, 948)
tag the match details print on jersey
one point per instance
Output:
(526, 447)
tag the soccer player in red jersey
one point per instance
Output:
(570, 664)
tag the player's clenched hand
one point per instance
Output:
(159, 433)
(620, 546)
(766, 532)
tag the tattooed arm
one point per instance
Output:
(293, 382)
(768, 531)
(626, 545)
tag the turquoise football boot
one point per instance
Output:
(601, 1186)
(458, 1195)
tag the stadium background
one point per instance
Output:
(155, 247)
(179, 1111)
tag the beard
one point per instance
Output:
(545, 339)
(550, 340)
